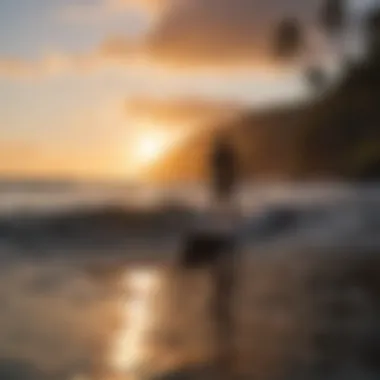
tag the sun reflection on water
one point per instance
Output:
(130, 353)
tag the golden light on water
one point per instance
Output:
(129, 352)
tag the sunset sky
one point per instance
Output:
(96, 88)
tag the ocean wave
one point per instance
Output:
(101, 227)
(347, 222)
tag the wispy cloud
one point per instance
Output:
(97, 12)
(82, 12)
(185, 35)
(113, 52)
(179, 112)
(223, 32)
(49, 65)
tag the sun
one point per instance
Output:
(151, 146)
(148, 145)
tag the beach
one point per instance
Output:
(88, 293)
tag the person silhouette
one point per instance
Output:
(214, 248)
(223, 167)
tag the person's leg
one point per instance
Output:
(222, 312)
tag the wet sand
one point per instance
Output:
(297, 315)
(306, 304)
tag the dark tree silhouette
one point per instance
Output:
(333, 16)
(373, 34)
(289, 43)
(289, 39)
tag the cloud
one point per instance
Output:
(186, 35)
(117, 47)
(179, 112)
(198, 34)
(222, 32)
(15, 68)
(96, 12)
(84, 13)
(148, 4)
(113, 52)
(50, 64)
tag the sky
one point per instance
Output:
(99, 88)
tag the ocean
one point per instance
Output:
(90, 288)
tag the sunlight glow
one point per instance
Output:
(151, 146)
(148, 144)
(129, 352)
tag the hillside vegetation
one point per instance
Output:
(334, 136)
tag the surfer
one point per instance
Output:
(223, 169)
(213, 248)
